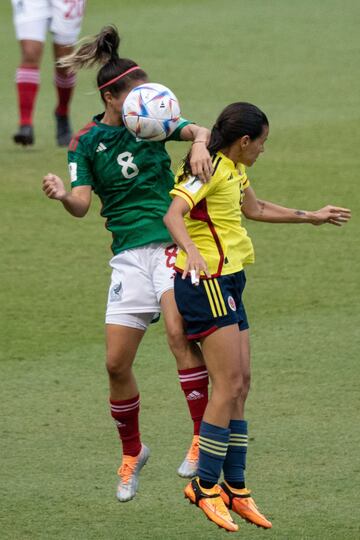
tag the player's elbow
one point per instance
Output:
(79, 210)
(80, 213)
(251, 212)
(247, 212)
(167, 219)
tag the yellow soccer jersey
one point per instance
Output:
(214, 220)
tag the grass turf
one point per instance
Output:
(59, 450)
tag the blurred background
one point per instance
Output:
(299, 62)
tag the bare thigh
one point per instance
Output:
(187, 354)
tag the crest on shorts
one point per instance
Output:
(116, 292)
(231, 303)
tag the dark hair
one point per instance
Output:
(235, 121)
(103, 49)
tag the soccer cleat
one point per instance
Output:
(240, 501)
(189, 466)
(25, 135)
(63, 130)
(211, 503)
(129, 474)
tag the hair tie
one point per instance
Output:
(119, 77)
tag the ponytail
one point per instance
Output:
(217, 140)
(103, 49)
(92, 50)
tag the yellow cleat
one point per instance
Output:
(240, 501)
(211, 503)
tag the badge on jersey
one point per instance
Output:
(73, 171)
(193, 184)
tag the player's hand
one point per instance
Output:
(334, 215)
(200, 162)
(53, 187)
(195, 264)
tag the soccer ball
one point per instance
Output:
(151, 112)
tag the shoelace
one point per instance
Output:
(127, 468)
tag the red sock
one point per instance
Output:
(27, 82)
(64, 86)
(126, 416)
(194, 383)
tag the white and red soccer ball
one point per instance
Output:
(151, 112)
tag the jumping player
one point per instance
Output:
(133, 180)
(32, 19)
(205, 221)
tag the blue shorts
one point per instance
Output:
(214, 303)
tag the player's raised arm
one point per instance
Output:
(200, 159)
(76, 202)
(259, 210)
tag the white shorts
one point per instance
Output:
(33, 18)
(139, 278)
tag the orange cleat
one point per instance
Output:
(189, 466)
(240, 501)
(211, 503)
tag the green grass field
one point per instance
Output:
(59, 453)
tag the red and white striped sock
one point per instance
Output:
(27, 82)
(194, 383)
(64, 86)
(126, 416)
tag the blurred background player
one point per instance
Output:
(205, 221)
(32, 20)
(133, 179)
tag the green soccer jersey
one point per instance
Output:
(132, 178)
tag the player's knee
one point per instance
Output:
(118, 369)
(237, 387)
(30, 55)
(177, 341)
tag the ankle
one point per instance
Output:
(205, 484)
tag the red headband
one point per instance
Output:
(119, 77)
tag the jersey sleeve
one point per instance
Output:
(80, 167)
(192, 190)
(175, 135)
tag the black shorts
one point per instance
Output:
(214, 303)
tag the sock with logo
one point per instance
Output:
(213, 444)
(27, 83)
(64, 86)
(235, 461)
(126, 416)
(194, 383)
